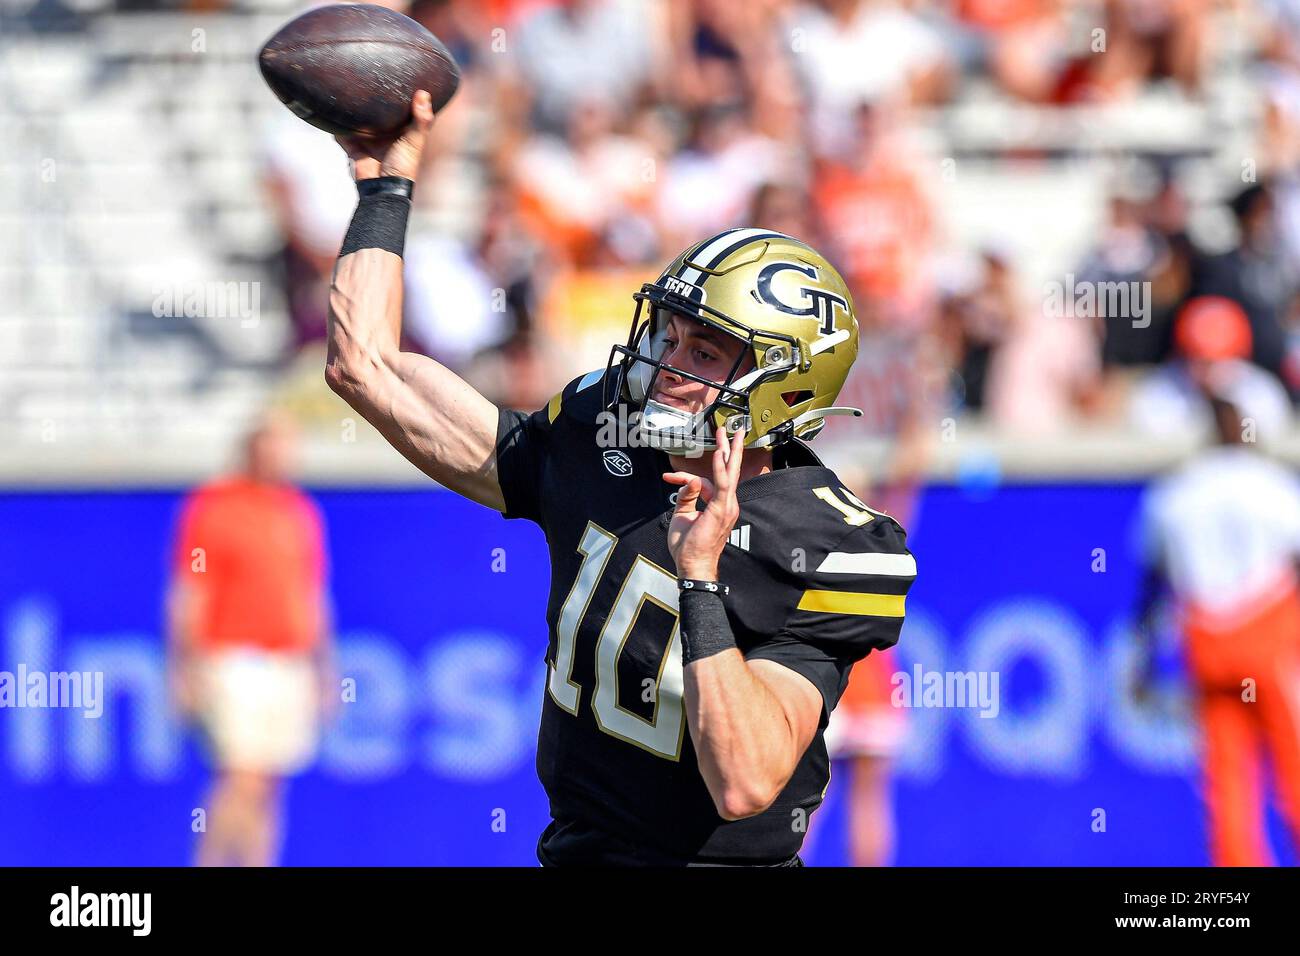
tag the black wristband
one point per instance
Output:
(386, 185)
(381, 215)
(704, 625)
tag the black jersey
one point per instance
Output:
(817, 581)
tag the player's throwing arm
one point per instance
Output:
(424, 410)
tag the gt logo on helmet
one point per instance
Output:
(821, 303)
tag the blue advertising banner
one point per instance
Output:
(439, 608)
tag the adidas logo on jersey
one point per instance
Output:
(740, 537)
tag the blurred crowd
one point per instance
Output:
(592, 140)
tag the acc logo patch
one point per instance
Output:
(617, 463)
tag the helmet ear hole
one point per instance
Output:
(794, 398)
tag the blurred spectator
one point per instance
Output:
(976, 311)
(571, 49)
(709, 184)
(1213, 337)
(878, 216)
(1020, 44)
(519, 372)
(1145, 41)
(1045, 374)
(1170, 277)
(459, 25)
(572, 188)
(848, 51)
(725, 51)
(1255, 274)
(462, 299)
(251, 656)
(312, 197)
(1131, 252)
(784, 206)
(1291, 366)
(591, 309)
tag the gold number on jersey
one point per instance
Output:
(854, 516)
(645, 582)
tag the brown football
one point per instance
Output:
(353, 68)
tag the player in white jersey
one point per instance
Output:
(1222, 533)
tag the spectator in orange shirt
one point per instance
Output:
(878, 214)
(250, 657)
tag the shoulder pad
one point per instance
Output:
(582, 398)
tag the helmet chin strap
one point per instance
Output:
(671, 430)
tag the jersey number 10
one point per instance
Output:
(646, 581)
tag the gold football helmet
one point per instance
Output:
(778, 296)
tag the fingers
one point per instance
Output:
(421, 121)
(721, 451)
(422, 110)
(404, 158)
(726, 474)
(363, 147)
(706, 489)
(736, 456)
(690, 493)
(727, 459)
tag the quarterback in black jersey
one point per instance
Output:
(712, 583)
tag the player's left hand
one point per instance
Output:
(696, 538)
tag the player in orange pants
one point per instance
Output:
(1247, 691)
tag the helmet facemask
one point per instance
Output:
(640, 362)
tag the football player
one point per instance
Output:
(712, 583)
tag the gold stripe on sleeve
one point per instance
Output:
(852, 602)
